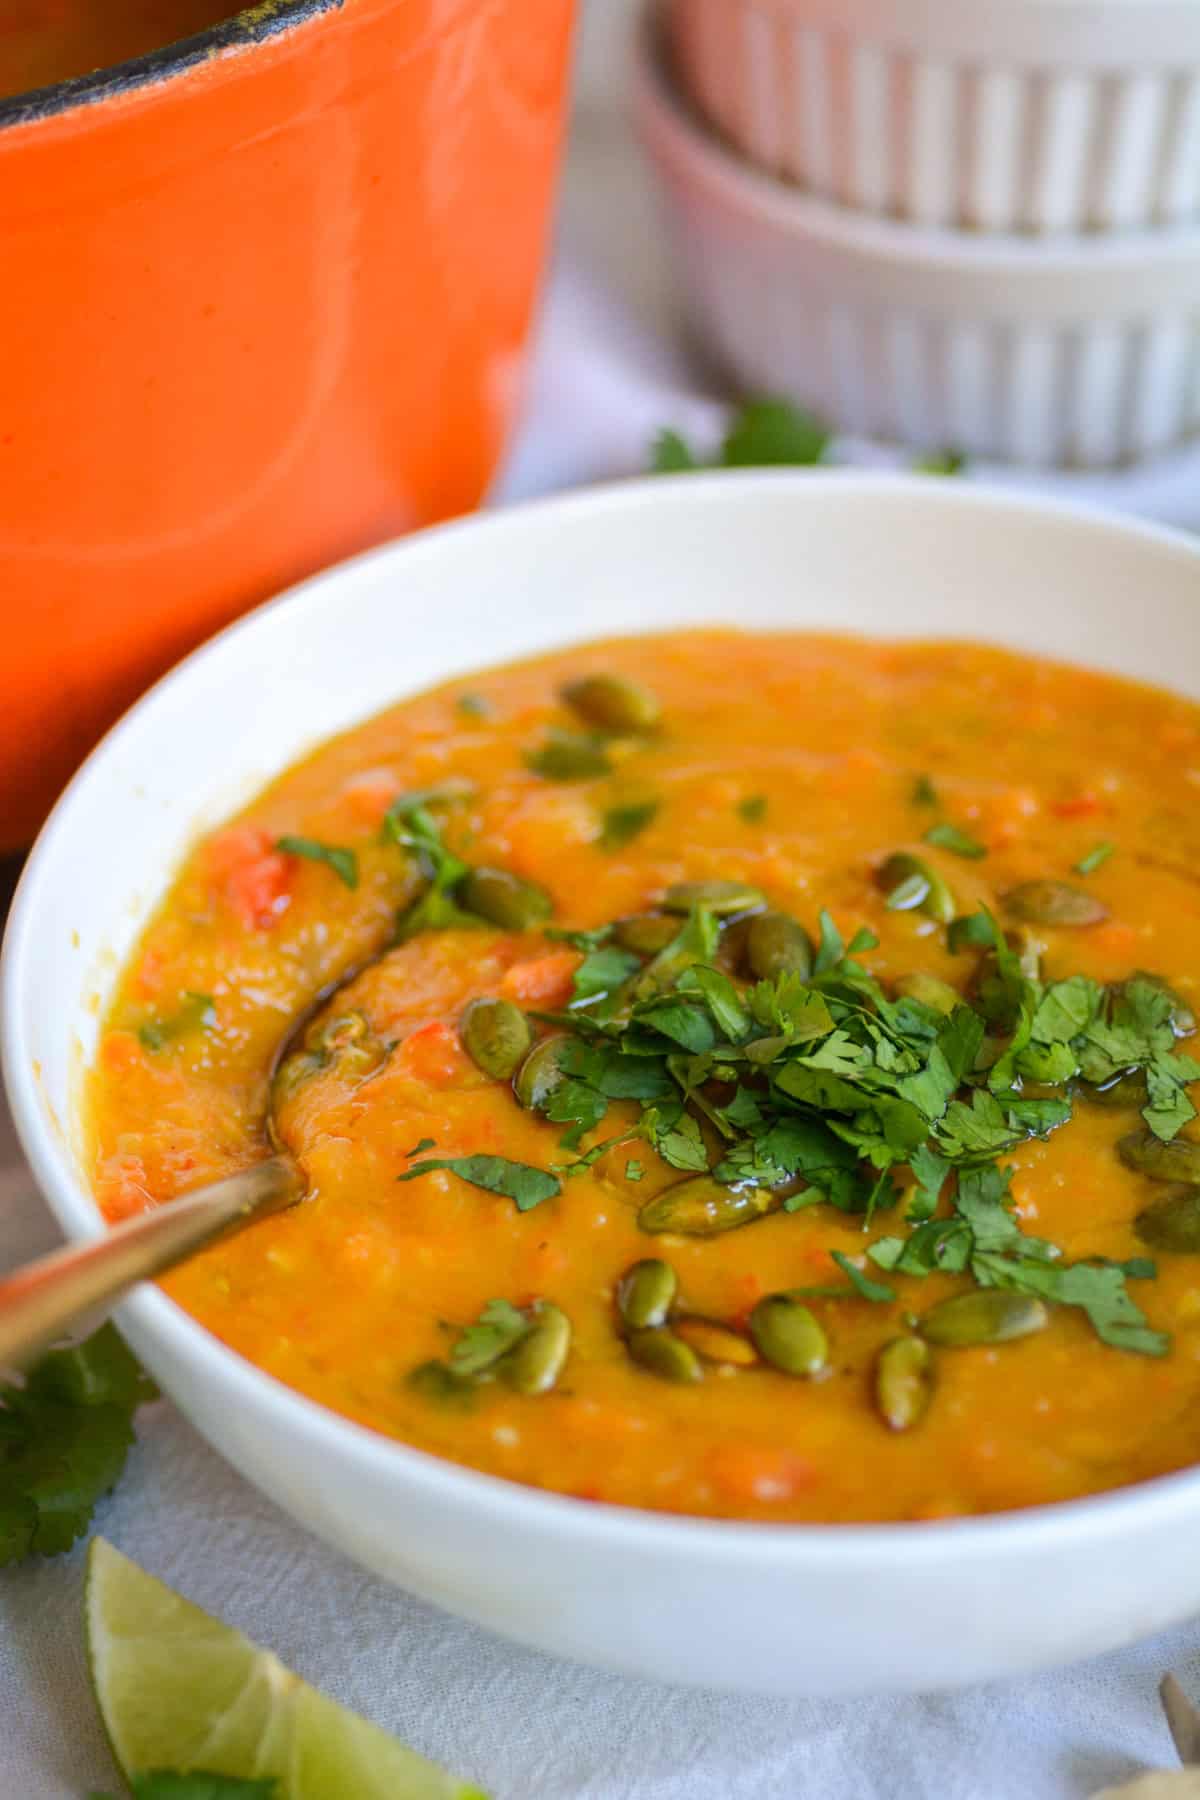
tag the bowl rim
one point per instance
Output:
(249, 27)
(674, 130)
(458, 1488)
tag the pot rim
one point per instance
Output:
(249, 27)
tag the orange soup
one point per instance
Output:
(764, 1093)
(45, 41)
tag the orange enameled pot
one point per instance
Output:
(265, 297)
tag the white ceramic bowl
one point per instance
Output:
(995, 115)
(800, 1610)
(1045, 352)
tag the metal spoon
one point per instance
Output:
(43, 1300)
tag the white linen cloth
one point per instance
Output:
(526, 1727)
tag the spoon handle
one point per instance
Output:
(44, 1299)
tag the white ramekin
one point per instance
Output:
(1064, 352)
(999, 115)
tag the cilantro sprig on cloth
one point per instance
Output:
(64, 1437)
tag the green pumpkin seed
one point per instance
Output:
(788, 1336)
(928, 990)
(646, 1293)
(569, 756)
(346, 1041)
(291, 1075)
(542, 1071)
(777, 945)
(1126, 1091)
(913, 885)
(716, 1343)
(1177, 1161)
(1054, 903)
(985, 1316)
(665, 1355)
(701, 1207)
(903, 1382)
(496, 1036)
(504, 899)
(1172, 1222)
(646, 934)
(725, 899)
(536, 1363)
(614, 704)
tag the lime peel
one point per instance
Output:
(178, 1689)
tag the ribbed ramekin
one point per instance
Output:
(1076, 352)
(996, 115)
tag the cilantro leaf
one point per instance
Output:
(940, 462)
(623, 823)
(195, 1012)
(676, 1136)
(949, 837)
(601, 972)
(1097, 1289)
(863, 1286)
(770, 433)
(1095, 858)
(64, 1437)
(518, 1182)
(343, 862)
(670, 454)
(923, 792)
(931, 1171)
(753, 809)
(831, 949)
(414, 829)
(167, 1784)
(724, 1002)
(498, 1327)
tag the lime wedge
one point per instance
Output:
(178, 1690)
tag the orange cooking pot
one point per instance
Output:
(265, 297)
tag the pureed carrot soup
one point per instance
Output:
(773, 1102)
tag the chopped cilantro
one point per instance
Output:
(410, 825)
(753, 809)
(671, 455)
(633, 1170)
(343, 862)
(940, 462)
(64, 1437)
(770, 433)
(420, 1148)
(863, 1286)
(167, 1784)
(475, 706)
(1087, 865)
(602, 971)
(764, 433)
(923, 792)
(623, 823)
(948, 837)
(196, 1012)
(518, 1182)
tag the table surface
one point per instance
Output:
(527, 1727)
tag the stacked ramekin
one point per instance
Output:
(967, 223)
